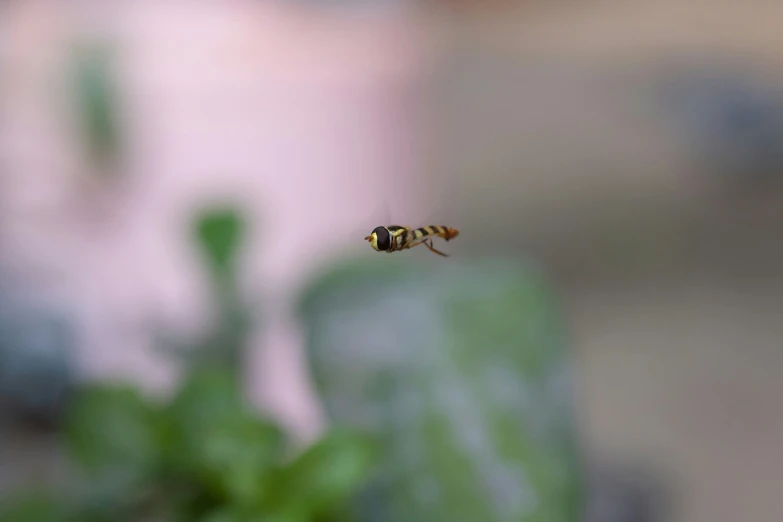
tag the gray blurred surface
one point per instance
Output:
(565, 147)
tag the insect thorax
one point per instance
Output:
(400, 236)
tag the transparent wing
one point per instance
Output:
(366, 221)
(439, 207)
(443, 191)
(430, 202)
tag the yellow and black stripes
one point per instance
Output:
(399, 236)
(422, 233)
(395, 238)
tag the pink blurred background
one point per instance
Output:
(304, 117)
(540, 122)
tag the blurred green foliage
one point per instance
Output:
(34, 507)
(96, 100)
(203, 455)
(219, 232)
(461, 371)
(448, 384)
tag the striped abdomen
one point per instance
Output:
(420, 234)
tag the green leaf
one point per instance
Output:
(241, 457)
(206, 397)
(114, 434)
(291, 514)
(215, 436)
(223, 515)
(237, 515)
(98, 103)
(219, 232)
(462, 372)
(35, 507)
(328, 473)
(228, 515)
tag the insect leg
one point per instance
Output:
(407, 243)
(428, 242)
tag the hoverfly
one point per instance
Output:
(395, 238)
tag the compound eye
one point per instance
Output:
(384, 238)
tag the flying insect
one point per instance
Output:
(396, 238)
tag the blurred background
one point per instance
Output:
(200, 175)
